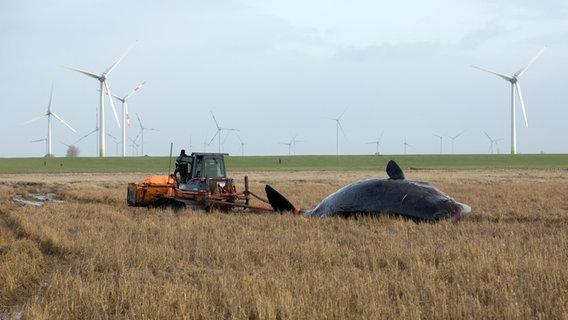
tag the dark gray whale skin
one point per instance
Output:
(393, 195)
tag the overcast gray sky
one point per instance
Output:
(276, 70)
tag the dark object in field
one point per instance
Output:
(393, 195)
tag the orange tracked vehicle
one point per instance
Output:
(199, 181)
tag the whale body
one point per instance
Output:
(393, 195)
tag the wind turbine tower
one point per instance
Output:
(49, 114)
(514, 80)
(103, 79)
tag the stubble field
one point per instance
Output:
(92, 257)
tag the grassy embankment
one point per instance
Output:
(284, 163)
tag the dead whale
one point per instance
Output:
(394, 195)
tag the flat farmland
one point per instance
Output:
(93, 257)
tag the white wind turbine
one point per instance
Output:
(493, 142)
(125, 116)
(378, 143)
(514, 80)
(337, 128)
(219, 129)
(441, 138)
(103, 79)
(289, 144)
(48, 114)
(454, 138)
(142, 128)
(242, 145)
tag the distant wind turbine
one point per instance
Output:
(125, 116)
(454, 138)
(103, 79)
(289, 144)
(49, 114)
(406, 145)
(378, 143)
(337, 128)
(514, 80)
(242, 145)
(440, 137)
(142, 128)
(493, 142)
(294, 142)
(219, 129)
(135, 145)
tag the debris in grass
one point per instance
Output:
(37, 199)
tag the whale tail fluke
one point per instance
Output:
(278, 201)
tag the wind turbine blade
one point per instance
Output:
(504, 76)
(112, 103)
(88, 134)
(109, 70)
(341, 127)
(342, 114)
(140, 122)
(216, 123)
(457, 135)
(88, 73)
(126, 113)
(135, 90)
(216, 133)
(522, 103)
(62, 121)
(487, 136)
(50, 99)
(520, 72)
(35, 119)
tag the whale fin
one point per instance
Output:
(278, 201)
(394, 171)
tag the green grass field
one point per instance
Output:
(160, 165)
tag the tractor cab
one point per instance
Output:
(196, 171)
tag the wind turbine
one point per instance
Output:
(493, 142)
(289, 144)
(378, 143)
(242, 145)
(103, 79)
(454, 138)
(440, 137)
(125, 116)
(219, 129)
(337, 128)
(294, 141)
(48, 114)
(406, 145)
(135, 145)
(142, 128)
(514, 80)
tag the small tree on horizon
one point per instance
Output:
(72, 151)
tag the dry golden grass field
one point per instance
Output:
(92, 257)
